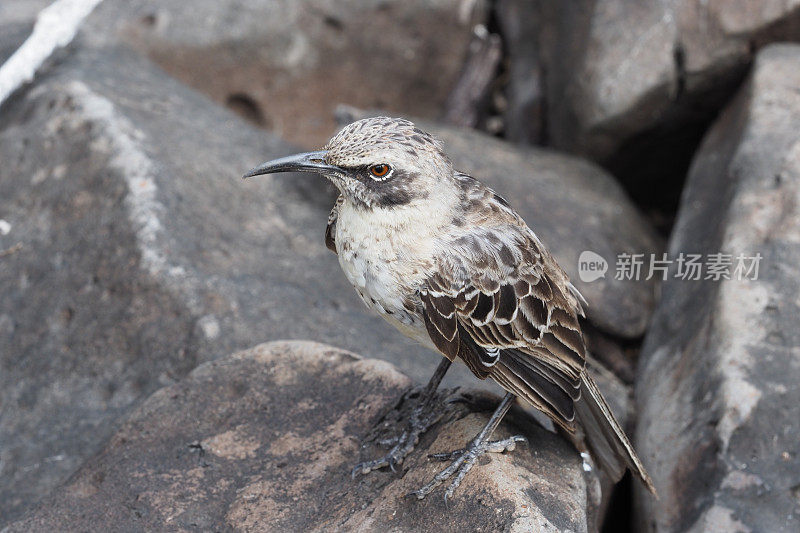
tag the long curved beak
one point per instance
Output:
(306, 162)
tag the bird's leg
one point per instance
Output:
(423, 416)
(465, 458)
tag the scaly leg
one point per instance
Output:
(424, 415)
(465, 458)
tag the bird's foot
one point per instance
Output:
(424, 415)
(463, 460)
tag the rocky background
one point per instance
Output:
(139, 276)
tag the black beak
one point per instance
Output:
(307, 162)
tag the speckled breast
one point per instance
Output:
(383, 276)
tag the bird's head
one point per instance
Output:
(376, 162)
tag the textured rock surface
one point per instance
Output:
(134, 253)
(131, 251)
(573, 205)
(633, 84)
(610, 69)
(245, 444)
(640, 59)
(520, 26)
(286, 64)
(718, 396)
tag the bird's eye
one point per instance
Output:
(380, 171)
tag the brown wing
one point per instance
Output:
(330, 230)
(501, 303)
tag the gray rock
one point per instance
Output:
(16, 22)
(524, 119)
(21, 11)
(244, 443)
(610, 71)
(286, 64)
(632, 84)
(719, 420)
(131, 252)
(11, 37)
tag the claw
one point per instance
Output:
(414, 494)
(456, 397)
(463, 461)
(386, 443)
(421, 420)
(446, 456)
(505, 445)
(424, 414)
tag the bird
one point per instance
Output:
(449, 263)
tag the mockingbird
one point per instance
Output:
(449, 263)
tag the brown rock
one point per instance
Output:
(719, 421)
(286, 64)
(266, 439)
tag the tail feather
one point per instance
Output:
(587, 420)
(604, 437)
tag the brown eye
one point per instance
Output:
(379, 171)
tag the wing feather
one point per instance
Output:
(559, 403)
(442, 324)
(511, 320)
(506, 304)
(501, 303)
(330, 229)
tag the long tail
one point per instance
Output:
(593, 425)
(604, 437)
